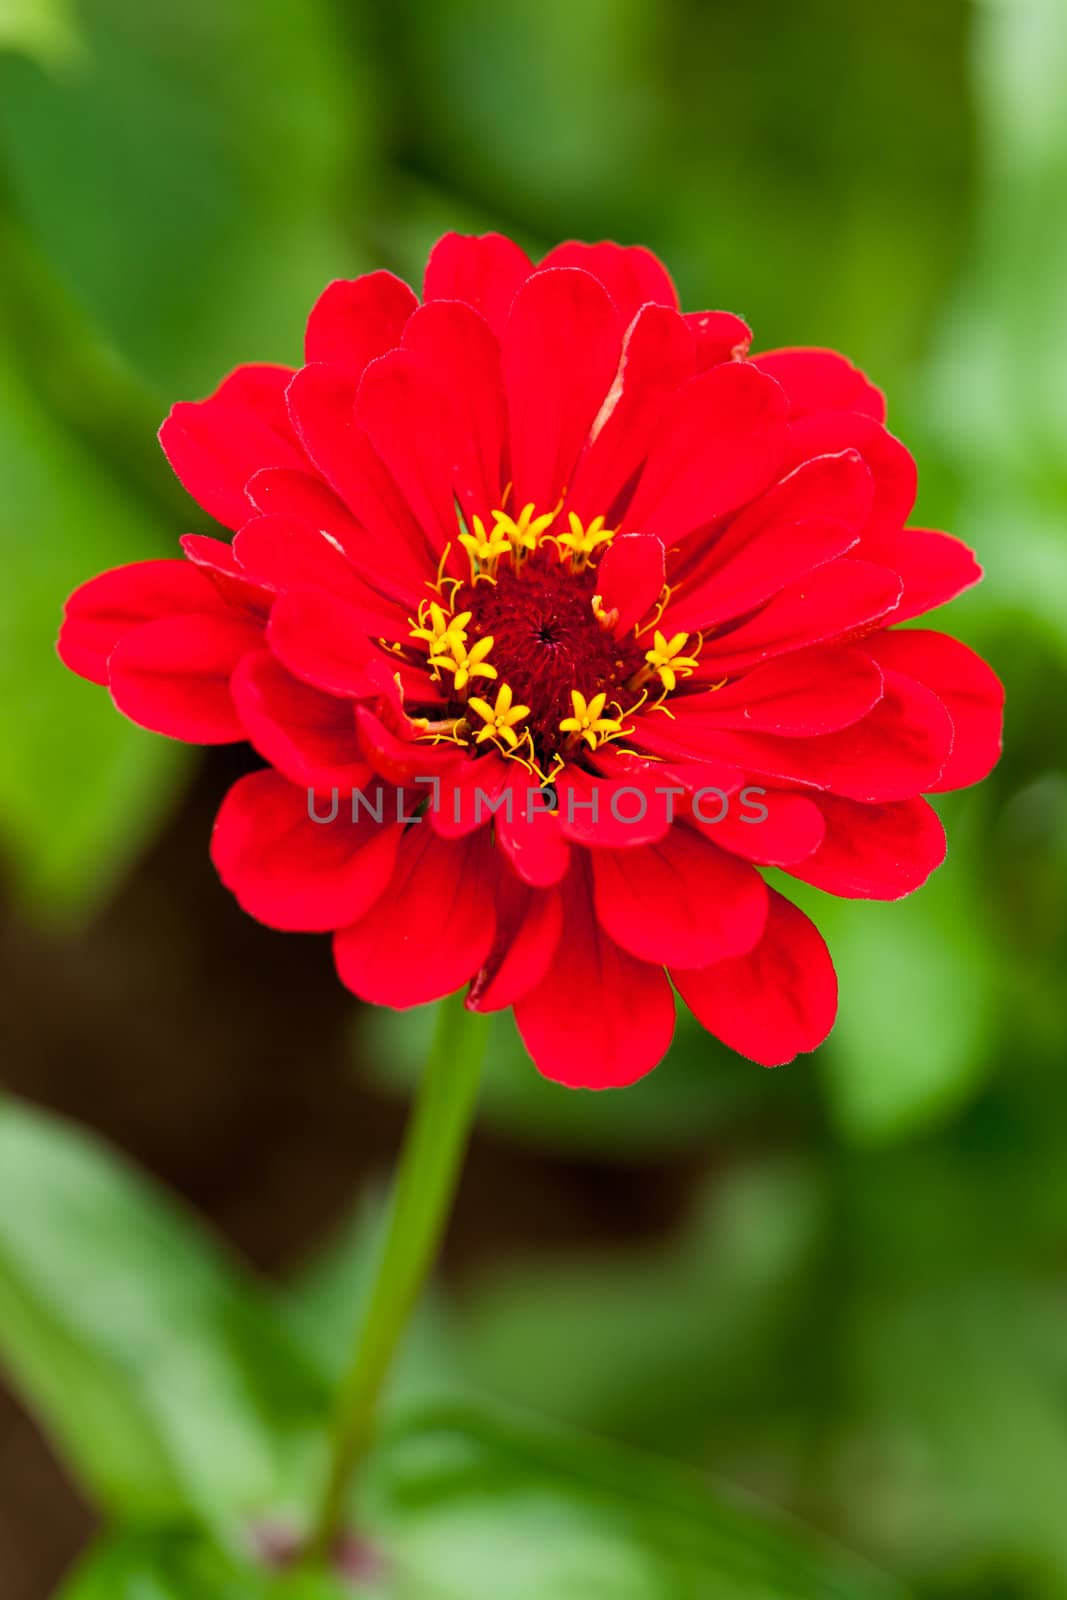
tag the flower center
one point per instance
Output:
(525, 656)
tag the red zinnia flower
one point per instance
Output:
(550, 543)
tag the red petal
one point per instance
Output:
(529, 923)
(531, 837)
(483, 271)
(764, 825)
(631, 274)
(460, 351)
(215, 445)
(719, 442)
(611, 812)
(394, 554)
(801, 695)
(468, 794)
(216, 558)
(657, 356)
(283, 554)
(681, 777)
(173, 676)
(630, 578)
(685, 744)
(718, 336)
(822, 380)
(810, 517)
(432, 931)
(321, 639)
(599, 1019)
(935, 568)
(875, 852)
(288, 553)
(896, 751)
(892, 468)
(967, 686)
(278, 491)
(307, 500)
(104, 610)
(681, 900)
(774, 1002)
(560, 352)
(295, 873)
(406, 418)
(354, 320)
(404, 761)
(835, 601)
(307, 735)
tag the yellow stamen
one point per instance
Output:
(437, 629)
(524, 532)
(466, 664)
(589, 722)
(440, 580)
(453, 729)
(500, 718)
(659, 609)
(666, 660)
(484, 547)
(582, 540)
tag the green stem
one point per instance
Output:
(429, 1170)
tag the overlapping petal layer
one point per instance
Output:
(555, 617)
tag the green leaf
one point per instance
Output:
(180, 1566)
(43, 29)
(203, 240)
(666, 1345)
(80, 787)
(470, 1506)
(589, 71)
(953, 1353)
(161, 1374)
(919, 984)
(996, 403)
(461, 1504)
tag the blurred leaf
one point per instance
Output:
(964, 1387)
(996, 399)
(45, 29)
(585, 77)
(459, 1504)
(159, 1372)
(786, 145)
(473, 1507)
(919, 984)
(80, 787)
(698, 1090)
(177, 1566)
(660, 1345)
(324, 1307)
(195, 179)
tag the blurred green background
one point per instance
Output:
(842, 1286)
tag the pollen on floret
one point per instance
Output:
(484, 546)
(465, 664)
(440, 631)
(666, 660)
(588, 722)
(500, 718)
(524, 532)
(583, 539)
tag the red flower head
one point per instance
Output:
(556, 617)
